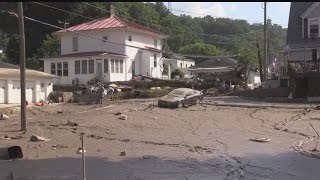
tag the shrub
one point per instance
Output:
(54, 96)
(98, 78)
(177, 72)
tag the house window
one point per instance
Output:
(112, 65)
(53, 68)
(65, 68)
(314, 54)
(181, 65)
(77, 67)
(155, 43)
(117, 66)
(75, 43)
(59, 69)
(84, 66)
(314, 28)
(105, 65)
(130, 38)
(91, 66)
(121, 66)
(154, 60)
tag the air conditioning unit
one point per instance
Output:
(314, 35)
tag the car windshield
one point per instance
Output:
(178, 93)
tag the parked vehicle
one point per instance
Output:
(181, 97)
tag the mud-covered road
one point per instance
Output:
(199, 142)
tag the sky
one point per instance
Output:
(253, 12)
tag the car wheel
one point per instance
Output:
(197, 101)
(180, 104)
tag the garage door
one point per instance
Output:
(3, 91)
(15, 92)
(30, 92)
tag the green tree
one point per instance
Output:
(200, 49)
(13, 50)
(50, 47)
(246, 55)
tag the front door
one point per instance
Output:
(99, 68)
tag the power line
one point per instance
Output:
(94, 19)
(189, 12)
(63, 10)
(142, 21)
(102, 40)
(168, 27)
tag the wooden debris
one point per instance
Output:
(260, 139)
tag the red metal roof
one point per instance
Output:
(106, 23)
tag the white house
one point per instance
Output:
(38, 84)
(177, 62)
(112, 47)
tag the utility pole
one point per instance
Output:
(260, 63)
(265, 67)
(22, 68)
(64, 23)
(169, 7)
(83, 158)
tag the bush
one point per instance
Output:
(177, 72)
(98, 78)
(54, 96)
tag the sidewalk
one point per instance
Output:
(236, 101)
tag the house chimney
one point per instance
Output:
(111, 9)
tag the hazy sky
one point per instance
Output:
(278, 12)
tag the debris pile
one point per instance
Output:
(35, 138)
(4, 117)
(70, 123)
(123, 117)
(123, 153)
(79, 151)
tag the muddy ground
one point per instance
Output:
(199, 142)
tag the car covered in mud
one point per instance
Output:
(181, 97)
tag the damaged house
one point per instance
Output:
(303, 48)
(217, 68)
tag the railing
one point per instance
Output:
(303, 67)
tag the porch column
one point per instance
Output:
(169, 71)
(9, 88)
(125, 68)
(38, 91)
